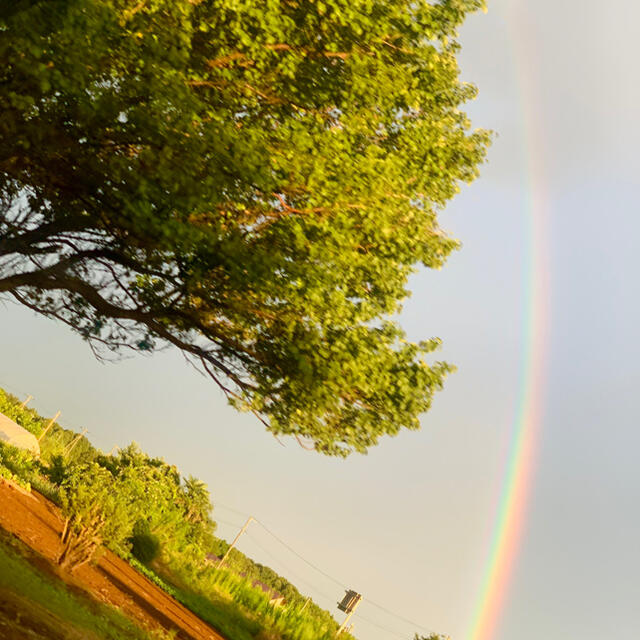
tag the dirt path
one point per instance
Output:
(38, 523)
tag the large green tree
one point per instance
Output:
(251, 182)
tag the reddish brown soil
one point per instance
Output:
(38, 523)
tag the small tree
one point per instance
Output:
(96, 510)
(145, 547)
(58, 470)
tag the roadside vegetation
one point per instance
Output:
(145, 511)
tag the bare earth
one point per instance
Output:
(38, 523)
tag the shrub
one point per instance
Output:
(145, 547)
(57, 471)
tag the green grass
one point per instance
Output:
(238, 611)
(21, 467)
(222, 614)
(20, 576)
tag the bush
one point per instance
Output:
(145, 547)
(57, 471)
(97, 509)
(16, 459)
(17, 464)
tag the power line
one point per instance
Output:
(282, 542)
(391, 613)
(315, 589)
(231, 524)
(375, 624)
(288, 570)
(12, 390)
(38, 406)
(340, 584)
(224, 506)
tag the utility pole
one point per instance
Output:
(346, 620)
(349, 604)
(233, 544)
(69, 448)
(24, 404)
(51, 422)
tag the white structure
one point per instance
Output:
(17, 436)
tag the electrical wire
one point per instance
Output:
(12, 390)
(224, 506)
(283, 543)
(395, 615)
(269, 553)
(338, 582)
(231, 524)
(375, 624)
(313, 588)
(43, 410)
(288, 570)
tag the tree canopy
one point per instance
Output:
(252, 183)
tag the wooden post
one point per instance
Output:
(69, 447)
(51, 422)
(233, 544)
(24, 404)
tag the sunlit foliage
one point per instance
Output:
(252, 183)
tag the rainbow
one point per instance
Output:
(511, 507)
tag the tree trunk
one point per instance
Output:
(80, 543)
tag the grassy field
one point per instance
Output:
(34, 603)
(222, 613)
(229, 604)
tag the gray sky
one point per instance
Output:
(410, 524)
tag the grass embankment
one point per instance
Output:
(39, 605)
(221, 613)
(238, 611)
